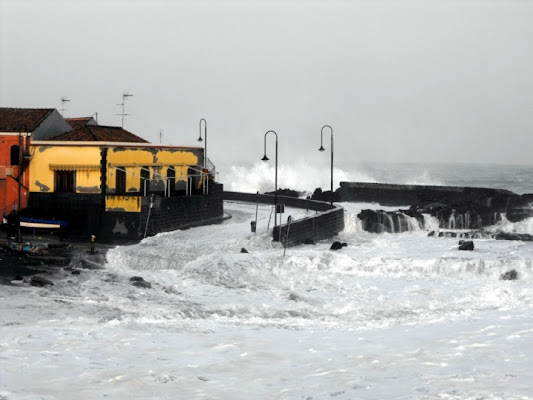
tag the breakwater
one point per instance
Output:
(326, 223)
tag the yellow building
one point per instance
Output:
(88, 171)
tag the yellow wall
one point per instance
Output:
(42, 176)
(147, 157)
(88, 178)
(123, 203)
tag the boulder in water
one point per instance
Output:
(243, 250)
(466, 245)
(309, 241)
(139, 281)
(337, 246)
(432, 233)
(37, 280)
(509, 275)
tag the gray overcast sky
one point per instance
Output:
(443, 81)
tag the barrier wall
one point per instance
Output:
(326, 223)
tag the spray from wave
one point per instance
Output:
(301, 176)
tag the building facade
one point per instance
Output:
(103, 180)
(18, 126)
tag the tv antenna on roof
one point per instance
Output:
(124, 96)
(63, 101)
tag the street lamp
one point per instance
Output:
(201, 140)
(265, 158)
(205, 151)
(322, 149)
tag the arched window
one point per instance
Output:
(171, 180)
(120, 183)
(15, 154)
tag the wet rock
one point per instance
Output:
(432, 233)
(88, 264)
(326, 195)
(294, 297)
(337, 246)
(17, 278)
(139, 281)
(309, 241)
(466, 245)
(243, 250)
(39, 281)
(525, 237)
(509, 275)
(75, 272)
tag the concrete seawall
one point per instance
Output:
(326, 223)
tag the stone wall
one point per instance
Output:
(85, 214)
(171, 213)
(326, 223)
(402, 195)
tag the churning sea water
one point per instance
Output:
(390, 316)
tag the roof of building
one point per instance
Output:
(96, 133)
(22, 119)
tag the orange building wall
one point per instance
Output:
(9, 187)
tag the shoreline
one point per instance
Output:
(46, 254)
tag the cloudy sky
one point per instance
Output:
(419, 81)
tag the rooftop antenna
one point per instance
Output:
(124, 96)
(63, 101)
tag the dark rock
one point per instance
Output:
(514, 236)
(509, 275)
(243, 250)
(294, 297)
(88, 264)
(37, 280)
(326, 195)
(75, 272)
(17, 278)
(466, 245)
(441, 234)
(432, 233)
(337, 246)
(139, 281)
(309, 241)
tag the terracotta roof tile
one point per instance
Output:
(18, 119)
(97, 133)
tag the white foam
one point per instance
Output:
(218, 323)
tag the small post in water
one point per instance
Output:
(256, 207)
(93, 240)
(289, 220)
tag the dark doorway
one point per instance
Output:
(145, 181)
(15, 155)
(120, 183)
(171, 181)
(64, 181)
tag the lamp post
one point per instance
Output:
(265, 158)
(205, 153)
(322, 149)
(201, 140)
